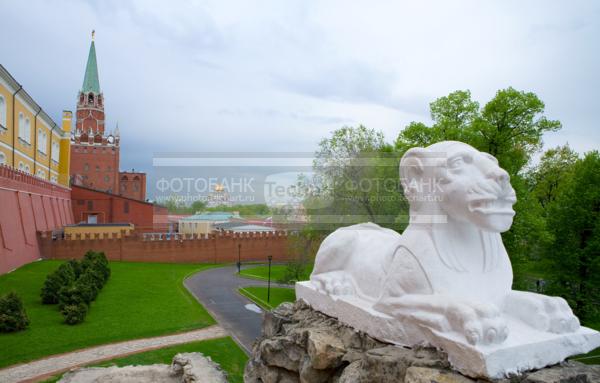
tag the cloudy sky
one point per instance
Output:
(280, 75)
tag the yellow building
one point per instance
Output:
(204, 223)
(83, 229)
(30, 140)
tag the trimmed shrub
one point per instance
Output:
(71, 295)
(63, 276)
(90, 284)
(74, 313)
(76, 266)
(12, 313)
(87, 291)
(98, 261)
(75, 284)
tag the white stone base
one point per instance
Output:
(524, 349)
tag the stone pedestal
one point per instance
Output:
(300, 344)
(525, 348)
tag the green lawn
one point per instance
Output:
(139, 300)
(592, 357)
(223, 351)
(277, 272)
(259, 296)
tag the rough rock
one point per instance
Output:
(158, 373)
(431, 375)
(324, 350)
(185, 368)
(570, 372)
(195, 367)
(300, 344)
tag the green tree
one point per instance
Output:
(554, 167)
(357, 176)
(452, 116)
(198, 206)
(574, 221)
(511, 127)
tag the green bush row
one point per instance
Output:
(75, 284)
(12, 313)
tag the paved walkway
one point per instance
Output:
(56, 364)
(216, 289)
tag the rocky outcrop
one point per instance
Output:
(185, 368)
(301, 345)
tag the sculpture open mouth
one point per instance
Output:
(492, 205)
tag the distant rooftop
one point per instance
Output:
(210, 216)
(251, 228)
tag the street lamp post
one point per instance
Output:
(239, 263)
(270, 257)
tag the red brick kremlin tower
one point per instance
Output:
(94, 151)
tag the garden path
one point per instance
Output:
(217, 290)
(53, 365)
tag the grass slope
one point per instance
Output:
(259, 295)
(224, 351)
(277, 272)
(139, 300)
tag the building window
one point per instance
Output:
(80, 202)
(90, 205)
(21, 126)
(53, 179)
(126, 207)
(106, 178)
(40, 173)
(91, 98)
(55, 151)
(25, 129)
(27, 169)
(2, 112)
(42, 141)
(2, 159)
(21, 166)
(86, 167)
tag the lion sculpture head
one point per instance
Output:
(454, 179)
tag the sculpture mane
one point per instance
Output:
(447, 280)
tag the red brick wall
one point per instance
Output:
(161, 219)
(111, 208)
(98, 165)
(28, 204)
(90, 116)
(220, 248)
(132, 185)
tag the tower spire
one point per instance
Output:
(91, 83)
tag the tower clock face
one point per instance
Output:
(111, 139)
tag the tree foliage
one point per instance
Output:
(357, 179)
(574, 222)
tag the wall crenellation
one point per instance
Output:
(171, 248)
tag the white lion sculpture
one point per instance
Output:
(446, 281)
